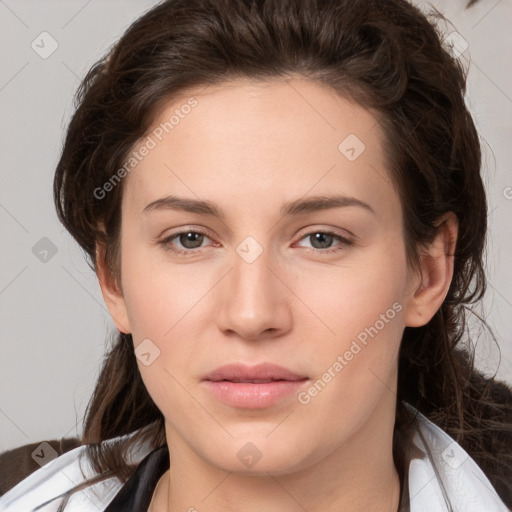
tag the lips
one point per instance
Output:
(258, 374)
(253, 387)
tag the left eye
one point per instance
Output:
(324, 240)
(192, 240)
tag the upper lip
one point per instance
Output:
(238, 372)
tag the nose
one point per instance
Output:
(254, 301)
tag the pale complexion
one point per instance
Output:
(250, 148)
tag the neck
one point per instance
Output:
(359, 475)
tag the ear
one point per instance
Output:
(111, 291)
(436, 272)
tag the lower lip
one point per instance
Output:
(253, 396)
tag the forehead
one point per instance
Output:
(276, 139)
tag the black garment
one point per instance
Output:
(136, 493)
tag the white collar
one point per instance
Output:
(446, 470)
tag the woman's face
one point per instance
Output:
(269, 281)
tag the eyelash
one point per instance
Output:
(190, 252)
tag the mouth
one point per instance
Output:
(253, 387)
(254, 381)
(260, 373)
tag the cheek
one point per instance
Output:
(166, 304)
(361, 340)
(356, 363)
(163, 306)
(348, 297)
(357, 327)
(158, 294)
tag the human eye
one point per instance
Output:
(190, 239)
(321, 241)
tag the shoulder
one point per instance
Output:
(44, 489)
(443, 471)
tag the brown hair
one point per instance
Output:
(385, 55)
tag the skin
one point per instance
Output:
(249, 147)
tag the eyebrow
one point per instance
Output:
(296, 207)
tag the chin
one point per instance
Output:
(259, 456)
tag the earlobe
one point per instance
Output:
(436, 272)
(112, 294)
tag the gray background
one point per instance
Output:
(53, 323)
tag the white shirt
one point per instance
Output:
(464, 483)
